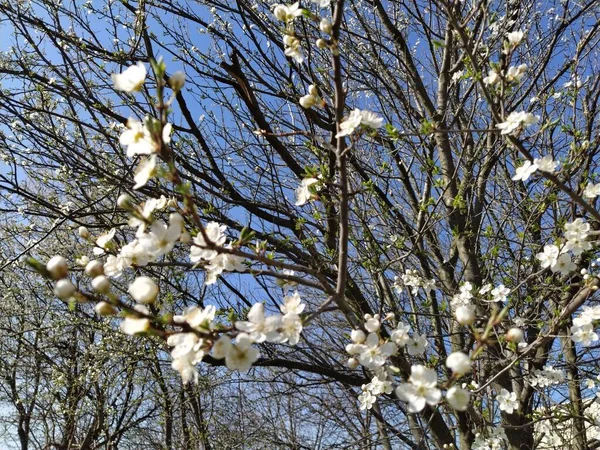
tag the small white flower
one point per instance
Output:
(370, 119)
(546, 164)
(198, 318)
(291, 327)
(241, 355)
(259, 327)
(525, 171)
(549, 256)
(372, 355)
(516, 120)
(134, 324)
(145, 170)
(367, 400)
(138, 139)
(130, 80)
(400, 334)
(215, 234)
(507, 401)
(564, 265)
(591, 190)
(417, 345)
(499, 293)
(292, 304)
(584, 334)
(187, 352)
(303, 193)
(420, 390)
(514, 38)
(349, 124)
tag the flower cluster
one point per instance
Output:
(287, 14)
(372, 352)
(412, 279)
(557, 258)
(513, 75)
(544, 164)
(517, 120)
(548, 376)
(311, 99)
(205, 249)
(582, 330)
(496, 440)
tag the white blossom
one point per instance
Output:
(420, 390)
(507, 401)
(215, 234)
(133, 324)
(131, 79)
(303, 193)
(516, 120)
(259, 327)
(458, 398)
(241, 355)
(525, 171)
(417, 344)
(546, 164)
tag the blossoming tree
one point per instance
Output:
(382, 210)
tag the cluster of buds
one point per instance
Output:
(311, 99)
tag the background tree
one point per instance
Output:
(434, 211)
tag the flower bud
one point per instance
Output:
(83, 232)
(101, 284)
(290, 41)
(321, 43)
(325, 26)
(307, 101)
(353, 363)
(105, 309)
(312, 90)
(515, 335)
(459, 363)
(177, 80)
(124, 202)
(280, 12)
(94, 268)
(465, 315)
(64, 289)
(82, 260)
(143, 290)
(358, 336)
(57, 266)
(353, 349)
